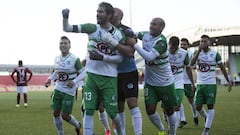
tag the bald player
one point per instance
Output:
(159, 81)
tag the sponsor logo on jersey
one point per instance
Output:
(103, 48)
(204, 67)
(63, 76)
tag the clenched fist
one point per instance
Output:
(65, 13)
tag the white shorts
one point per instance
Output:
(21, 89)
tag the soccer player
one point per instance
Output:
(101, 66)
(21, 81)
(127, 77)
(67, 73)
(102, 114)
(189, 93)
(158, 77)
(179, 60)
(206, 91)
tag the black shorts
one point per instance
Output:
(127, 85)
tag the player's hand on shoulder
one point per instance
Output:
(108, 37)
(131, 41)
(65, 13)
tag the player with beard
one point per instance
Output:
(207, 59)
(101, 66)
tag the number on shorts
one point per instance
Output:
(88, 96)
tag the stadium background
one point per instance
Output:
(225, 39)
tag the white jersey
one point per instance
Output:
(157, 72)
(65, 68)
(207, 62)
(105, 67)
(178, 61)
(185, 76)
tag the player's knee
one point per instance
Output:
(210, 106)
(199, 107)
(66, 117)
(132, 103)
(89, 112)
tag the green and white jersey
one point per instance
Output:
(66, 68)
(158, 71)
(178, 61)
(185, 76)
(207, 62)
(105, 68)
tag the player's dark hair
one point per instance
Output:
(20, 63)
(185, 40)
(108, 8)
(65, 37)
(174, 40)
(205, 36)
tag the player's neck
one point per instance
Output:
(107, 25)
(65, 54)
(206, 50)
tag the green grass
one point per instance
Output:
(37, 118)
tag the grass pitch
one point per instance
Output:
(37, 118)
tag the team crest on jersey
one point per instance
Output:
(114, 98)
(104, 48)
(130, 86)
(68, 103)
(68, 62)
(205, 57)
(204, 67)
(174, 69)
(173, 58)
(211, 55)
(62, 64)
(211, 95)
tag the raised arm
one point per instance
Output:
(66, 26)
